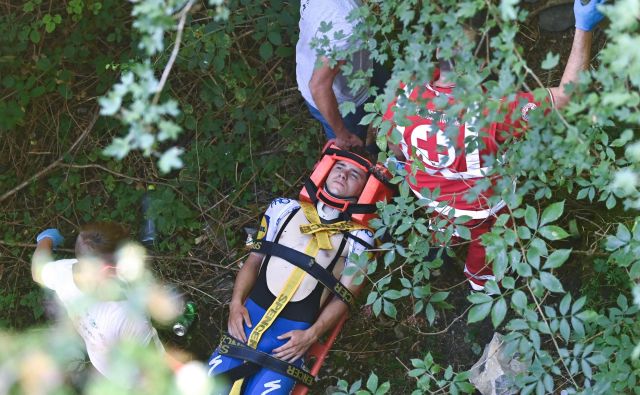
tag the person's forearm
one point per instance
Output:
(41, 256)
(328, 318)
(327, 104)
(397, 151)
(246, 278)
(578, 61)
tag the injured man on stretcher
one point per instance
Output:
(292, 288)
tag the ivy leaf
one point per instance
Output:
(552, 232)
(550, 61)
(552, 213)
(550, 282)
(479, 312)
(556, 259)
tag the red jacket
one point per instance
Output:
(455, 168)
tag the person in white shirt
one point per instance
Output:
(88, 289)
(324, 87)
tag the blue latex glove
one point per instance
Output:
(53, 234)
(587, 15)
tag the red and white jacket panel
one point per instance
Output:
(455, 167)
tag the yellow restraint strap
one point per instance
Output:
(320, 240)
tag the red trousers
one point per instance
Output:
(476, 268)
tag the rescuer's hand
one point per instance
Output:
(587, 14)
(298, 344)
(237, 314)
(348, 140)
(53, 234)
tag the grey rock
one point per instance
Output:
(494, 373)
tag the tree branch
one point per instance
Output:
(54, 164)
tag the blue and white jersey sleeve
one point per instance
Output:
(355, 247)
(272, 219)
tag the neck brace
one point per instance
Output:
(327, 213)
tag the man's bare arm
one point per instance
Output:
(245, 281)
(578, 61)
(300, 341)
(321, 86)
(41, 255)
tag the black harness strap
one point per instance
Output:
(236, 349)
(359, 240)
(309, 265)
(239, 372)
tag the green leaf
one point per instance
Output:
(550, 282)
(552, 232)
(266, 51)
(492, 288)
(498, 312)
(479, 312)
(170, 160)
(372, 382)
(552, 213)
(479, 298)
(275, 38)
(439, 297)
(34, 36)
(377, 307)
(519, 299)
(623, 233)
(578, 304)
(508, 9)
(556, 259)
(383, 389)
(464, 232)
(390, 309)
(531, 217)
(550, 61)
(392, 294)
(518, 325)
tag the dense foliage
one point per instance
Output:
(229, 105)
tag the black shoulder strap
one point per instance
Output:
(309, 265)
(359, 240)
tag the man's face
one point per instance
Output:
(346, 179)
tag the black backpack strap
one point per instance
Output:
(309, 265)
